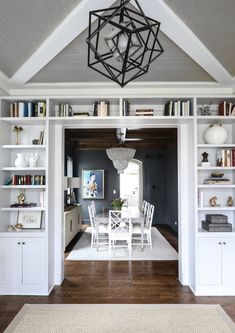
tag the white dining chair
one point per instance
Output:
(146, 208)
(120, 231)
(143, 205)
(93, 207)
(100, 236)
(147, 234)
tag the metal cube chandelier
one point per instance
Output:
(122, 42)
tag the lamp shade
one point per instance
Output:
(73, 182)
(120, 156)
(125, 154)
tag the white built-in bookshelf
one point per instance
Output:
(183, 112)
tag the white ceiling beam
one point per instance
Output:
(174, 28)
(76, 22)
(5, 83)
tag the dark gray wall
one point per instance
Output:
(171, 217)
(160, 169)
(96, 160)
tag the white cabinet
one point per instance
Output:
(22, 262)
(72, 223)
(215, 266)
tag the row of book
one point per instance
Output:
(101, 109)
(178, 108)
(28, 109)
(63, 110)
(227, 109)
(225, 158)
(26, 180)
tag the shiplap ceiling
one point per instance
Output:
(43, 41)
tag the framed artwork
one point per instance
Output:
(30, 220)
(93, 184)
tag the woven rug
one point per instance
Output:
(161, 250)
(119, 318)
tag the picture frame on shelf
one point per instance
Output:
(93, 184)
(30, 220)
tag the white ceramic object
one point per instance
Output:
(21, 161)
(216, 134)
(33, 160)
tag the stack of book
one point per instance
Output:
(225, 158)
(227, 109)
(144, 112)
(178, 108)
(101, 109)
(217, 181)
(216, 223)
(63, 110)
(28, 109)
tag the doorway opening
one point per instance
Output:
(131, 184)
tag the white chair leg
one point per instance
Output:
(110, 249)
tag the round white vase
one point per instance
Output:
(216, 134)
(21, 161)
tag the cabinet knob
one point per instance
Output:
(219, 243)
(23, 243)
(224, 243)
(19, 243)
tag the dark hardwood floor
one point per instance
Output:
(117, 282)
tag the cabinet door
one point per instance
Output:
(228, 261)
(33, 261)
(10, 261)
(209, 261)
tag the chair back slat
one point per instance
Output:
(118, 223)
(91, 216)
(149, 217)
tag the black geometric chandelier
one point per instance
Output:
(122, 42)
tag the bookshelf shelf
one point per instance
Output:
(220, 208)
(215, 186)
(24, 146)
(225, 145)
(17, 187)
(23, 209)
(215, 168)
(23, 169)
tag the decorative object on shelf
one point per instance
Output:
(24, 205)
(18, 226)
(11, 228)
(205, 109)
(122, 43)
(121, 154)
(216, 134)
(30, 220)
(213, 202)
(21, 197)
(216, 223)
(36, 142)
(17, 130)
(217, 175)
(117, 203)
(230, 201)
(93, 184)
(21, 161)
(33, 160)
(205, 162)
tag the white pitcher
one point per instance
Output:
(33, 160)
(21, 161)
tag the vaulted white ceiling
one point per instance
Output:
(43, 42)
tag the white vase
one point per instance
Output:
(33, 160)
(21, 161)
(216, 134)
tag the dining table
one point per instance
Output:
(136, 215)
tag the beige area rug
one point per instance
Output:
(120, 318)
(161, 250)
